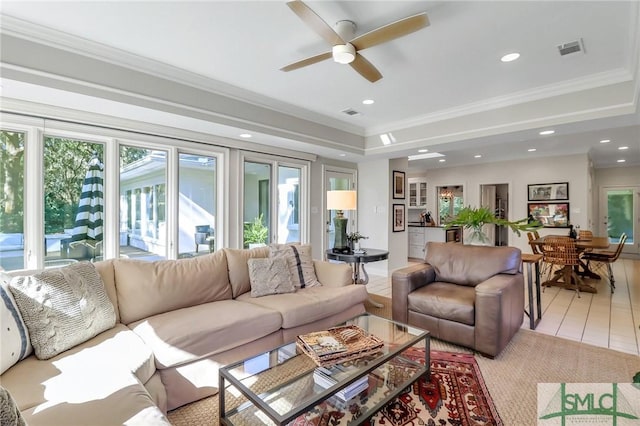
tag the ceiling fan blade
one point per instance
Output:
(316, 23)
(307, 61)
(365, 68)
(391, 31)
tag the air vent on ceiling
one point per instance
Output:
(350, 111)
(571, 47)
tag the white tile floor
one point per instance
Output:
(601, 319)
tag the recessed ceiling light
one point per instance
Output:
(531, 150)
(442, 160)
(605, 141)
(343, 155)
(245, 135)
(423, 156)
(547, 132)
(510, 57)
(477, 156)
(387, 138)
(423, 150)
(621, 161)
(368, 101)
(622, 148)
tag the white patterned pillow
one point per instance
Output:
(13, 333)
(63, 307)
(300, 263)
(269, 276)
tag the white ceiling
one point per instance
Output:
(435, 74)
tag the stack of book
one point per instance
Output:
(327, 377)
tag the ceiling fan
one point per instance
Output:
(348, 52)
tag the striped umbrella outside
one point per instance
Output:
(88, 225)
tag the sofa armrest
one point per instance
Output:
(499, 311)
(333, 274)
(403, 282)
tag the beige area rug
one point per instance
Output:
(511, 378)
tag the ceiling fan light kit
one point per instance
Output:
(344, 52)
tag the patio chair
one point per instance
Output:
(204, 235)
(606, 257)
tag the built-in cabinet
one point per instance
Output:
(421, 235)
(417, 192)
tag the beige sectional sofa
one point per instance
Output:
(177, 322)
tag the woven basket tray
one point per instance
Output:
(363, 344)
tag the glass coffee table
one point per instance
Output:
(278, 387)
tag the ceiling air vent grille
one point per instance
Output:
(350, 111)
(571, 47)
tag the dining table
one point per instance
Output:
(582, 244)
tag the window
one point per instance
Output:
(143, 226)
(12, 199)
(73, 200)
(197, 205)
(257, 204)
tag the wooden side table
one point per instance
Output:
(358, 260)
(533, 259)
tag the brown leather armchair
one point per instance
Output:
(469, 295)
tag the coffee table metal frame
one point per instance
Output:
(395, 351)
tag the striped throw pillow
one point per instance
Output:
(300, 263)
(13, 333)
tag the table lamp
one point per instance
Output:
(341, 200)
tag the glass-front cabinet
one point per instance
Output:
(417, 192)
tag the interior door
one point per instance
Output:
(619, 212)
(488, 200)
(337, 180)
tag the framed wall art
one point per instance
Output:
(398, 217)
(548, 191)
(551, 215)
(398, 185)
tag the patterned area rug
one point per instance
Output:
(455, 394)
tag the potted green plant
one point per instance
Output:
(475, 218)
(353, 238)
(255, 232)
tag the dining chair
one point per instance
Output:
(606, 257)
(562, 251)
(536, 250)
(585, 234)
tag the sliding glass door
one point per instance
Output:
(272, 202)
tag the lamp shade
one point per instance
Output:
(341, 200)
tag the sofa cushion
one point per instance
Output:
(310, 304)
(199, 331)
(300, 263)
(97, 399)
(150, 288)
(269, 276)
(471, 265)
(239, 268)
(444, 300)
(34, 382)
(63, 307)
(13, 333)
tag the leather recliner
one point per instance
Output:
(468, 295)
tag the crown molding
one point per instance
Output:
(40, 34)
(544, 92)
(68, 119)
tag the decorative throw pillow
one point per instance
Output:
(269, 276)
(63, 307)
(300, 263)
(13, 333)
